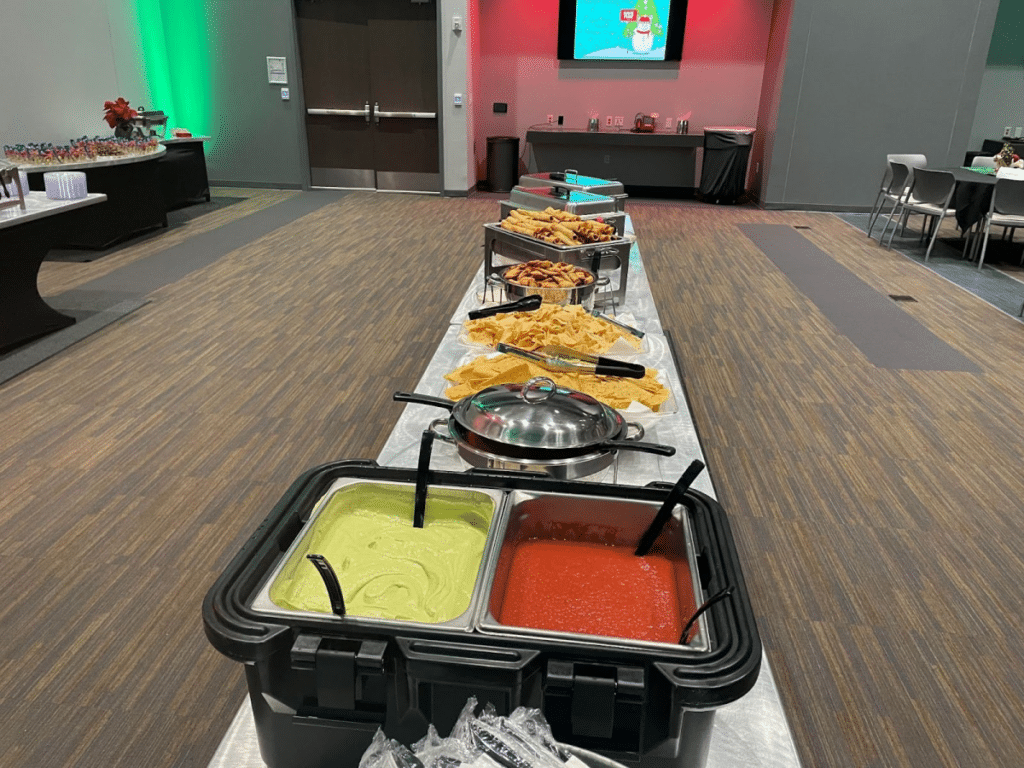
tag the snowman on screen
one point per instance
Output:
(643, 30)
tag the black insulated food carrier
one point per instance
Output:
(321, 684)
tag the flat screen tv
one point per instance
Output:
(621, 30)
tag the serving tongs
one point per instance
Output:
(627, 328)
(555, 357)
(525, 304)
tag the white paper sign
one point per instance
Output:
(277, 69)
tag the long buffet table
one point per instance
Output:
(750, 731)
(134, 199)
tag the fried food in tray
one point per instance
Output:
(570, 326)
(541, 273)
(558, 227)
(488, 370)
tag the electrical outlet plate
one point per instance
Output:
(457, 99)
(1007, 132)
(618, 120)
(608, 121)
(551, 118)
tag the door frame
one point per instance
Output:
(300, 93)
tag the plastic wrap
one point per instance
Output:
(388, 753)
(488, 740)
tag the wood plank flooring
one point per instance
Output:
(877, 512)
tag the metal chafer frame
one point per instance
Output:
(503, 247)
(571, 179)
(616, 219)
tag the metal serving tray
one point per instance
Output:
(572, 179)
(263, 604)
(616, 219)
(503, 247)
(617, 522)
(561, 198)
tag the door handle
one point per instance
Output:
(415, 115)
(376, 112)
(364, 112)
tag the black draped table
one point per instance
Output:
(134, 199)
(25, 237)
(972, 197)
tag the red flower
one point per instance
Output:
(118, 112)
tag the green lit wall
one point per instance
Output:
(176, 61)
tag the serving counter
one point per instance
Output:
(656, 159)
(749, 731)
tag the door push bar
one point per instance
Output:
(378, 114)
(364, 112)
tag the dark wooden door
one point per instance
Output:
(369, 71)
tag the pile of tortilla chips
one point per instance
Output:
(485, 371)
(570, 326)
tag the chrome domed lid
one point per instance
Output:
(538, 414)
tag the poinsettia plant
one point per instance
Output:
(118, 112)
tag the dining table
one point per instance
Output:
(973, 194)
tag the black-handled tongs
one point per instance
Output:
(558, 358)
(525, 304)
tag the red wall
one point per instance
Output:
(718, 80)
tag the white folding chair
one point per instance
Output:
(929, 194)
(981, 161)
(894, 183)
(1006, 210)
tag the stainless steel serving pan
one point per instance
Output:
(262, 603)
(583, 295)
(537, 426)
(616, 522)
(573, 180)
(616, 219)
(562, 198)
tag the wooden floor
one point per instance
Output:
(877, 512)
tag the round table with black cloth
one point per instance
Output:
(972, 197)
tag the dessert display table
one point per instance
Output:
(25, 237)
(183, 171)
(133, 201)
(750, 731)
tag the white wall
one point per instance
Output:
(1000, 104)
(58, 69)
(864, 79)
(455, 78)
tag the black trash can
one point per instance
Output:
(723, 175)
(502, 162)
